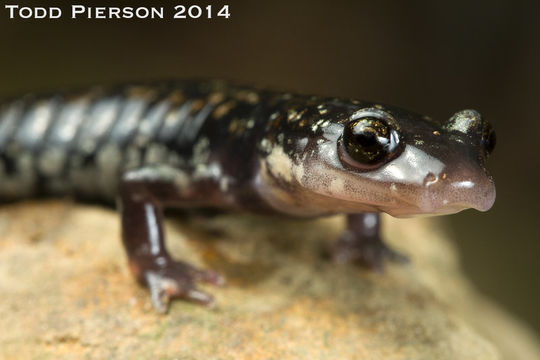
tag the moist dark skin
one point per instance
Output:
(213, 145)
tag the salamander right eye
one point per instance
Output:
(369, 140)
(470, 122)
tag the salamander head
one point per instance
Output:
(357, 157)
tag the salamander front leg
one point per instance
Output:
(361, 243)
(149, 261)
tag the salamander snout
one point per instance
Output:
(457, 189)
(463, 182)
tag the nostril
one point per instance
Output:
(430, 179)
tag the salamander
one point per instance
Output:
(215, 145)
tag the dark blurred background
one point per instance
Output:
(431, 57)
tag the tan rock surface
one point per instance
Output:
(65, 292)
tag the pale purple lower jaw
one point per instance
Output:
(430, 209)
(480, 197)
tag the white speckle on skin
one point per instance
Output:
(213, 171)
(279, 164)
(291, 114)
(337, 186)
(298, 172)
(265, 145)
(321, 123)
(463, 184)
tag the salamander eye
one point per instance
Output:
(471, 123)
(369, 140)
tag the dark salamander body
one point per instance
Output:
(209, 144)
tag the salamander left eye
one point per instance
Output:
(369, 141)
